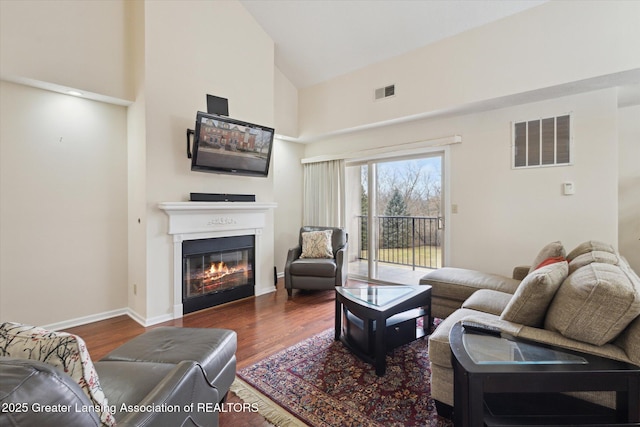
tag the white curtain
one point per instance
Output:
(324, 198)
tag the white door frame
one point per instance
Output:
(445, 152)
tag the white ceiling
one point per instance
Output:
(316, 40)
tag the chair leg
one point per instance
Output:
(289, 292)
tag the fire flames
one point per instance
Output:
(208, 274)
(218, 276)
(218, 270)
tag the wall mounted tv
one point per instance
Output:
(224, 145)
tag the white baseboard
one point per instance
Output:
(156, 320)
(78, 321)
(264, 291)
(137, 317)
(143, 321)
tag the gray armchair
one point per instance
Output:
(317, 273)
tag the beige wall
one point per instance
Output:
(286, 106)
(505, 215)
(137, 166)
(549, 45)
(64, 42)
(629, 185)
(287, 184)
(63, 206)
(181, 67)
(287, 170)
(141, 53)
(474, 84)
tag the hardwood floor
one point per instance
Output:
(265, 325)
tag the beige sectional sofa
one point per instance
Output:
(588, 300)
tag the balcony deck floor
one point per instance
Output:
(392, 273)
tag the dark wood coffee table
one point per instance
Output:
(501, 380)
(365, 307)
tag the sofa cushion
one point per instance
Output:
(439, 348)
(317, 244)
(459, 283)
(593, 256)
(595, 304)
(530, 302)
(589, 246)
(551, 250)
(549, 261)
(59, 349)
(488, 301)
(629, 341)
(321, 267)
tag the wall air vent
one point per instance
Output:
(385, 92)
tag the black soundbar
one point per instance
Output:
(217, 197)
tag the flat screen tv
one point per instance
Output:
(224, 145)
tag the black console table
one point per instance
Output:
(500, 380)
(379, 318)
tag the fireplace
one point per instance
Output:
(216, 271)
(204, 221)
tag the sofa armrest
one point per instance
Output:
(341, 265)
(184, 386)
(545, 336)
(27, 384)
(520, 272)
(292, 255)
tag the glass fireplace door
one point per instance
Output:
(215, 271)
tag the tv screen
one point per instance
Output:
(224, 145)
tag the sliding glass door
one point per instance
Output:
(395, 218)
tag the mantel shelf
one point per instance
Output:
(204, 207)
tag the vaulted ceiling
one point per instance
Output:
(316, 40)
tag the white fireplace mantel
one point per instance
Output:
(197, 217)
(207, 220)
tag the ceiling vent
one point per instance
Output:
(385, 92)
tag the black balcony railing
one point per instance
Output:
(406, 240)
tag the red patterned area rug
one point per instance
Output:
(323, 384)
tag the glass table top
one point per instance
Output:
(378, 295)
(487, 349)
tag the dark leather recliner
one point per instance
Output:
(317, 273)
